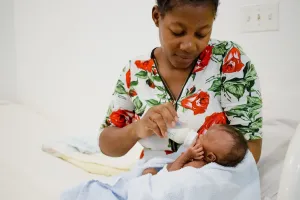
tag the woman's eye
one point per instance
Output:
(177, 34)
(200, 36)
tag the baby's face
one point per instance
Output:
(214, 142)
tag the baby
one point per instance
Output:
(222, 144)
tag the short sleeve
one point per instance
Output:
(241, 93)
(121, 108)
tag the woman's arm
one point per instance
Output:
(116, 142)
(116, 133)
(183, 159)
(255, 148)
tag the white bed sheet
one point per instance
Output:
(276, 138)
(27, 172)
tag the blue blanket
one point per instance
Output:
(211, 182)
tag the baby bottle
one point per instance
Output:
(182, 134)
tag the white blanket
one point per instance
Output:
(211, 182)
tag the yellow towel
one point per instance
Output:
(94, 163)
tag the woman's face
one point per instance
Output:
(184, 32)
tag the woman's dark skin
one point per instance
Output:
(184, 33)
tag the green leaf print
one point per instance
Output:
(249, 133)
(247, 111)
(218, 93)
(254, 100)
(152, 102)
(254, 137)
(142, 75)
(253, 114)
(134, 83)
(216, 85)
(243, 129)
(220, 49)
(120, 89)
(237, 113)
(193, 76)
(249, 72)
(109, 111)
(140, 111)
(254, 108)
(160, 88)
(162, 96)
(235, 88)
(120, 82)
(157, 78)
(249, 86)
(137, 103)
(257, 124)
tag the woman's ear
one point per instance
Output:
(210, 157)
(155, 15)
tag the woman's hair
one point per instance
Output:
(166, 5)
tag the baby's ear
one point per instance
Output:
(210, 157)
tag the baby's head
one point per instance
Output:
(224, 145)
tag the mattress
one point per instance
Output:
(29, 173)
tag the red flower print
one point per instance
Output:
(154, 71)
(150, 83)
(232, 62)
(132, 93)
(142, 154)
(192, 90)
(145, 65)
(121, 118)
(107, 121)
(203, 59)
(216, 118)
(168, 152)
(197, 102)
(128, 78)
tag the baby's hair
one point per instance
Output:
(166, 5)
(237, 151)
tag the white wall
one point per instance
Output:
(7, 52)
(71, 52)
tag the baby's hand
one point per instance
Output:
(196, 152)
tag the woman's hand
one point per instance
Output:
(156, 121)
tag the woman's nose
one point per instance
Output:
(188, 46)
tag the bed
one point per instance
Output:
(29, 173)
(26, 171)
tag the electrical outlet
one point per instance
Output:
(259, 18)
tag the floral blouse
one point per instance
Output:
(223, 88)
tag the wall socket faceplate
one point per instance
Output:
(259, 18)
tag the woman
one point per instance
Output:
(189, 78)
